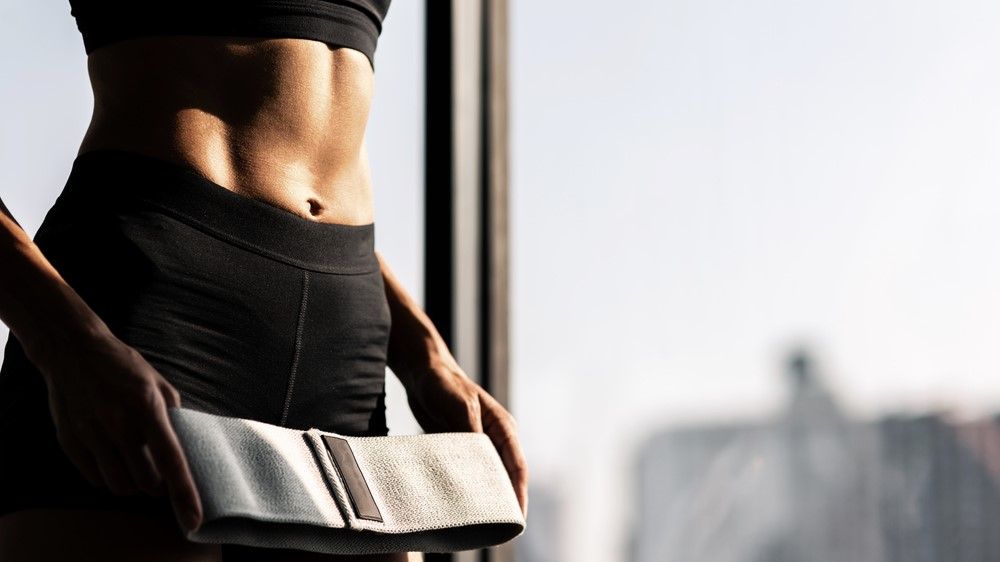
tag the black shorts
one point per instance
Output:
(248, 309)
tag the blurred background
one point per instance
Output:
(753, 285)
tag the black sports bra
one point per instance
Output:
(340, 23)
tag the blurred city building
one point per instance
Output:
(814, 485)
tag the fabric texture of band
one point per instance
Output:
(271, 486)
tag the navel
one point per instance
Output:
(315, 208)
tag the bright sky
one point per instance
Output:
(696, 185)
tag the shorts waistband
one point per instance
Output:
(239, 219)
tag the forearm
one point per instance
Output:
(43, 311)
(414, 342)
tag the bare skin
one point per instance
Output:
(284, 121)
(278, 119)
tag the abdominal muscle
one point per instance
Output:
(278, 119)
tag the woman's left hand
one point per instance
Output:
(443, 397)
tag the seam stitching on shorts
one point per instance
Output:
(298, 345)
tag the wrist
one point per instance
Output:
(415, 348)
(46, 315)
(77, 331)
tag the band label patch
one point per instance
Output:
(357, 488)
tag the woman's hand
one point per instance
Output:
(443, 397)
(109, 406)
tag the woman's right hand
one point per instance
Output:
(109, 406)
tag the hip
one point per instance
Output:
(248, 309)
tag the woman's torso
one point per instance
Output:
(278, 119)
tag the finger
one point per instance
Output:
(142, 468)
(173, 467)
(502, 429)
(116, 475)
(81, 457)
(500, 425)
(171, 396)
(512, 457)
(513, 461)
(134, 451)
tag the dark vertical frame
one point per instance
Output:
(494, 211)
(495, 235)
(466, 227)
(438, 170)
